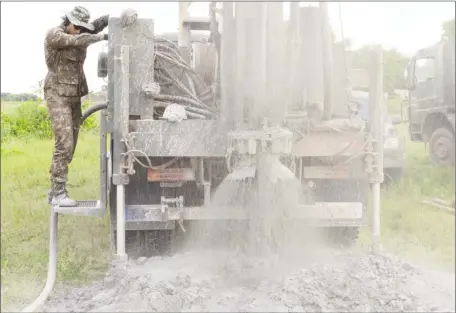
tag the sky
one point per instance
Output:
(405, 26)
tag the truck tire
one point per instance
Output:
(344, 191)
(392, 175)
(343, 237)
(442, 146)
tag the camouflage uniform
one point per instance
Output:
(64, 86)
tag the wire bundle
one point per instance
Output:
(188, 89)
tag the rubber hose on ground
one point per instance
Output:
(52, 268)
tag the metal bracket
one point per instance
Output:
(120, 179)
(272, 140)
(179, 204)
(202, 182)
(109, 121)
(376, 175)
(376, 178)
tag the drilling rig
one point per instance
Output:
(251, 92)
(240, 95)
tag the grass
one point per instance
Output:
(408, 228)
(10, 106)
(83, 242)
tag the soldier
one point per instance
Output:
(65, 49)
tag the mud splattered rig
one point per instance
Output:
(243, 95)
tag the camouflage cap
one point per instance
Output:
(80, 16)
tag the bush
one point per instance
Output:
(31, 119)
(6, 126)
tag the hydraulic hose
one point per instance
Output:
(94, 108)
(52, 268)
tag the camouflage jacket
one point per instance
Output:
(65, 55)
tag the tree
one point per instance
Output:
(393, 66)
(448, 29)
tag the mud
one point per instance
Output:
(219, 281)
(266, 265)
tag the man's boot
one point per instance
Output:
(51, 193)
(50, 196)
(60, 196)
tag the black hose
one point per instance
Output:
(94, 108)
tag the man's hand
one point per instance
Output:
(99, 24)
(105, 19)
(128, 17)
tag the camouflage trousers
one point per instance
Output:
(65, 114)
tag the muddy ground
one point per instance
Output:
(262, 264)
(325, 280)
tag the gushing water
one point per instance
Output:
(265, 202)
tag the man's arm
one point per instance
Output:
(57, 38)
(99, 24)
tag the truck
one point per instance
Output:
(240, 124)
(430, 106)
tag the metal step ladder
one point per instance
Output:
(95, 208)
(83, 208)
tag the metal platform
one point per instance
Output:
(320, 213)
(83, 208)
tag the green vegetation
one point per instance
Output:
(448, 29)
(83, 242)
(408, 228)
(394, 65)
(26, 155)
(394, 61)
(18, 97)
(30, 118)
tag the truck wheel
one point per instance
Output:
(392, 174)
(161, 242)
(343, 237)
(342, 191)
(441, 147)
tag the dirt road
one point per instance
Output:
(321, 281)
